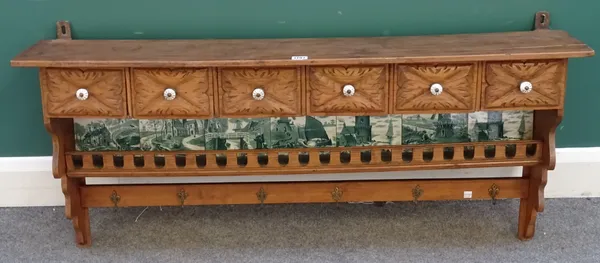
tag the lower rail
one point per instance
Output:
(302, 192)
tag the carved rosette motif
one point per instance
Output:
(502, 80)
(412, 92)
(281, 88)
(106, 89)
(193, 94)
(326, 84)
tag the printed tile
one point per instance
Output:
(172, 134)
(215, 131)
(434, 128)
(386, 130)
(106, 134)
(354, 131)
(518, 125)
(319, 131)
(394, 129)
(247, 133)
(288, 132)
(501, 125)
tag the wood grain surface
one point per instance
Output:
(282, 87)
(306, 161)
(325, 84)
(501, 82)
(539, 44)
(412, 92)
(194, 95)
(106, 88)
(300, 192)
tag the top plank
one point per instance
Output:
(537, 44)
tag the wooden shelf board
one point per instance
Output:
(522, 45)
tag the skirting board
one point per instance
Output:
(27, 181)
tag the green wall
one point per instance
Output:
(22, 23)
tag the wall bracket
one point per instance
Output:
(63, 30)
(542, 20)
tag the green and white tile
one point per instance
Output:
(247, 133)
(319, 131)
(518, 125)
(501, 125)
(386, 130)
(486, 126)
(215, 131)
(354, 131)
(106, 134)
(288, 132)
(172, 134)
(435, 128)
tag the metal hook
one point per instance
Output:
(416, 193)
(337, 194)
(493, 192)
(182, 195)
(115, 198)
(261, 195)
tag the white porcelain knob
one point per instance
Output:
(348, 90)
(81, 94)
(526, 87)
(436, 89)
(169, 94)
(258, 94)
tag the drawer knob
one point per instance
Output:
(81, 94)
(348, 90)
(526, 87)
(169, 94)
(436, 89)
(258, 94)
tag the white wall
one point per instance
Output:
(27, 181)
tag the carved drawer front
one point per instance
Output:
(84, 92)
(184, 93)
(354, 90)
(439, 88)
(260, 92)
(530, 85)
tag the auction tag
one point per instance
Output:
(299, 57)
(468, 194)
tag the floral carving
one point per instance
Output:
(326, 84)
(193, 96)
(413, 93)
(106, 90)
(281, 86)
(502, 80)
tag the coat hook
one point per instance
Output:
(115, 198)
(337, 194)
(182, 195)
(493, 192)
(261, 195)
(416, 193)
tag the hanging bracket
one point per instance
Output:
(63, 30)
(542, 20)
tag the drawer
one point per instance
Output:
(260, 92)
(354, 90)
(178, 93)
(529, 85)
(84, 92)
(439, 88)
